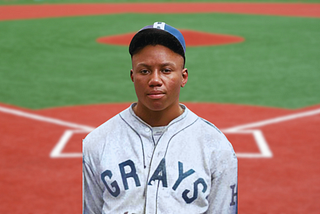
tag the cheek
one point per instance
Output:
(139, 85)
(174, 85)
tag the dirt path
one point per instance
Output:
(65, 10)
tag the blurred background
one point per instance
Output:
(55, 77)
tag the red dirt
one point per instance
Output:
(267, 185)
(13, 12)
(192, 38)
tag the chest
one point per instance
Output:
(176, 166)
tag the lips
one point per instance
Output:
(155, 95)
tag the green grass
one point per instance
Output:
(6, 2)
(57, 61)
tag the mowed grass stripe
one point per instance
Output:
(55, 62)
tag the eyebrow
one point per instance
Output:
(162, 65)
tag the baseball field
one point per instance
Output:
(254, 71)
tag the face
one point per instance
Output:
(158, 74)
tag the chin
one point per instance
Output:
(156, 106)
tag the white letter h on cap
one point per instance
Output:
(159, 25)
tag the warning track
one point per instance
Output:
(41, 155)
(66, 10)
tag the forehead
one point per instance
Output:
(153, 54)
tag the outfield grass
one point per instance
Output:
(57, 61)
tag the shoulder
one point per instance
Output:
(209, 126)
(94, 143)
(213, 137)
(222, 152)
(204, 127)
(103, 130)
(198, 121)
(205, 136)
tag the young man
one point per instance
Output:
(157, 156)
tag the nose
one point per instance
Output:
(155, 79)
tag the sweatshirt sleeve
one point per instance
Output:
(223, 196)
(92, 192)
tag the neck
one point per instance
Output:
(158, 118)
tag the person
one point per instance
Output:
(157, 156)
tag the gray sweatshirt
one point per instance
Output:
(187, 167)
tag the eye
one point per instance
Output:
(166, 70)
(144, 71)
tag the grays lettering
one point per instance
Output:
(131, 174)
(160, 174)
(128, 171)
(114, 184)
(182, 175)
(195, 191)
(233, 195)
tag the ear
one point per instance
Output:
(184, 77)
(131, 75)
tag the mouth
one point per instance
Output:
(156, 95)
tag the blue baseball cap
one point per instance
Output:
(158, 33)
